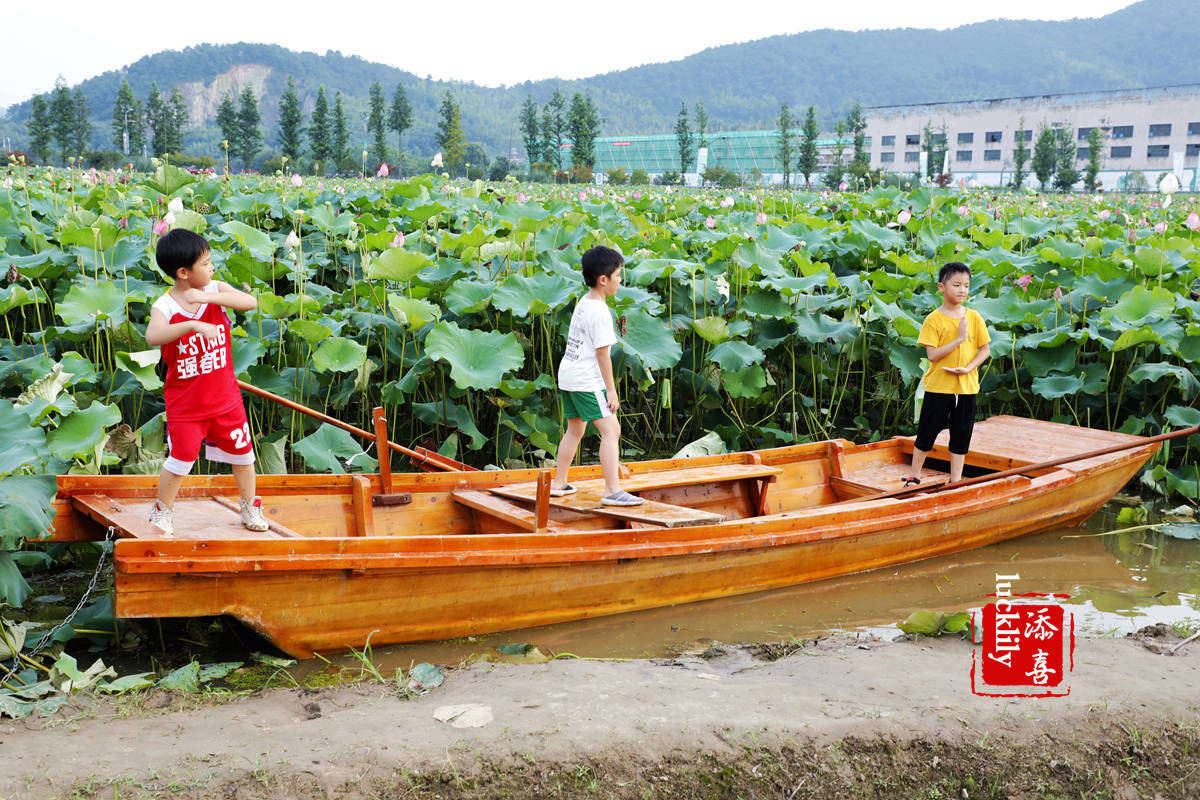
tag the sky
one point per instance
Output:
(487, 42)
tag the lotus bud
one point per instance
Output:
(903, 217)
(1169, 184)
(292, 240)
(727, 202)
(843, 186)
(437, 160)
(398, 240)
(1058, 293)
(297, 181)
(1160, 227)
(161, 227)
(963, 211)
(1024, 281)
(320, 186)
(1192, 223)
(1105, 214)
(637, 195)
(709, 222)
(175, 206)
(760, 218)
(169, 219)
(382, 172)
(521, 198)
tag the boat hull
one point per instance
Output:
(331, 593)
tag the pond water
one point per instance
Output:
(1117, 582)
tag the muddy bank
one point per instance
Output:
(839, 718)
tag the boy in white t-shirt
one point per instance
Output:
(585, 378)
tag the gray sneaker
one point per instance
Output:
(163, 517)
(566, 488)
(252, 515)
(621, 498)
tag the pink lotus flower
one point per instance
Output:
(709, 222)
(1160, 227)
(1192, 223)
(320, 186)
(760, 217)
(161, 227)
(582, 195)
(599, 193)
(963, 211)
(1023, 281)
(903, 217)
(382, 172)
(1058, 293)
(437, 160)
(1105, 214)
(727, 202)
(1143, 222)
(297, 181)
(637, 195)
(972, 184)
(521, 198)
(398, 240)
(843, 186)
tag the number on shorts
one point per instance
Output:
(240, 436)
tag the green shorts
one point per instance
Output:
(586, 406)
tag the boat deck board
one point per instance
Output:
(1005, 442)
(886, 477)
(587, 500)
(195, 518)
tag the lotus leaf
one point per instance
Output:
(649, 339)
(21, 444)
(339, 354)
(1153, 371)
(81, 433)
(412, 312)
(259, 243)
(468, 296)
(735, 355)
(88, 304)
(478, 359)
(451, 415)
(169, 179)
(326, 449)
(538, 294)
(310, 331)
(1052, 387)
(1140, 305)
(713, 330)
(748, 382)
(822, 327)
(397, 264)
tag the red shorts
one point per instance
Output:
(227, 438)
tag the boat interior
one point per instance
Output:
(678, 492)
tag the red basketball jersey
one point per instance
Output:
(200, 380)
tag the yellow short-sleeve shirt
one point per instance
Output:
(939, 330)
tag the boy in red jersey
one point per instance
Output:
(204, 403)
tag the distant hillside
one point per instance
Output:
(1151, 43)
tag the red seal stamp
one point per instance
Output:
(1026, 645)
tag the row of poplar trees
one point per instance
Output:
(547, 135)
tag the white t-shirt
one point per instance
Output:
(591, 328)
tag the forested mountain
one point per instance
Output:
(1151, 43)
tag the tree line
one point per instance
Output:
(561, 127)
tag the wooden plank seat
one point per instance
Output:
(587, 499)
(195, 518)
(501, 509)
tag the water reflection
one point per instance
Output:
(1118, 583)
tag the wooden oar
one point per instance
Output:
(434, 460)
(1116, 448)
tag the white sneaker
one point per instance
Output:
(163, 517)
(252, 515)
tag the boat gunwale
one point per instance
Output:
(558, 547)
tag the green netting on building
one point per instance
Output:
(739, 151)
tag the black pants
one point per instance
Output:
(940, 411)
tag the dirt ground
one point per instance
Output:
(841, 717)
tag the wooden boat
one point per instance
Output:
(408, 557)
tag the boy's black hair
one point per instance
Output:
(180, 249)
(952, 268)
(600, 260)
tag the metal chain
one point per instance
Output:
(108, 537)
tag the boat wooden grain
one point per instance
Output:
(407, 557)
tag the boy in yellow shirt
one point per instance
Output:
(956, 342)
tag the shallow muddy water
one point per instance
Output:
(1117, 584)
